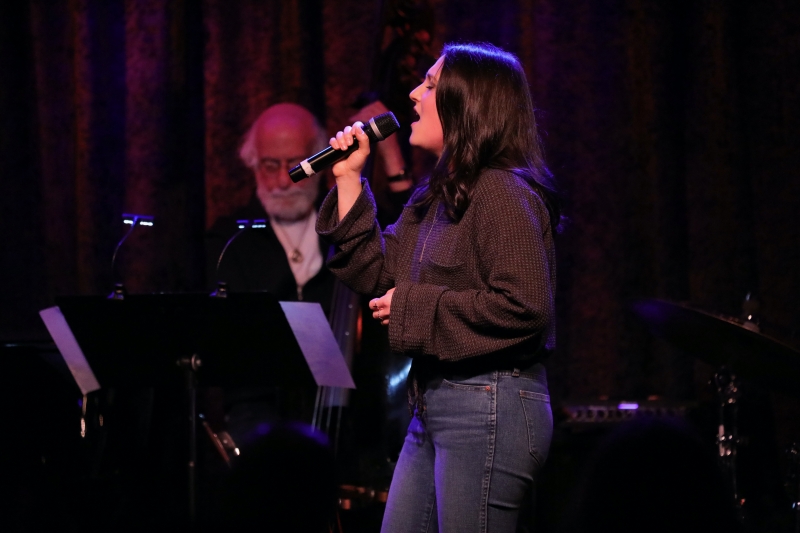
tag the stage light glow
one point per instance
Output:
(628, 406)
(400, 377)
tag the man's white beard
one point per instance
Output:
(287, 206)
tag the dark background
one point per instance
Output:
(670, 125)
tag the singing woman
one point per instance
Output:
(465, 282)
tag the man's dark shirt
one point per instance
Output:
(256, 261)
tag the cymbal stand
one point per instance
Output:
(728, 440)
(793, 481)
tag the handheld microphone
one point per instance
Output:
(377, 129)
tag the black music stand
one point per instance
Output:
(244, 339)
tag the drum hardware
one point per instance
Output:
(728, 440)
(793, 481)
(720, 340)
(739, 350)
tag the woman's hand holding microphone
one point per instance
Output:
(348, 171)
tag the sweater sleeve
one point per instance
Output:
(362, 256)
(516, 301)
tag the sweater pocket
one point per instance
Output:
(452, 276)
(447, 265)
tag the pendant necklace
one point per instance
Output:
(296, 256)
(424, 244)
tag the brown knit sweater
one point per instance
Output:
(484, 285)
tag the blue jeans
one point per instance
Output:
(470, 466)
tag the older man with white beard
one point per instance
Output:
(287, 257)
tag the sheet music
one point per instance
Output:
(69, 348)
(319, 346)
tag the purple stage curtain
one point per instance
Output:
(670, 125)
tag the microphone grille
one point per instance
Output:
(386, 123)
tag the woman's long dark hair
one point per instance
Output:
(487, 119)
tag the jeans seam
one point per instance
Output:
(430, 512)
(489, 456)
(528, 416)
(531, 395)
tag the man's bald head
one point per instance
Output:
(283, 123)
(281, 137)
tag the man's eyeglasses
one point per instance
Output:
(273, 166)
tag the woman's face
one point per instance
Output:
(426, 132)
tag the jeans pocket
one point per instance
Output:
(475, 387)
(539, 420)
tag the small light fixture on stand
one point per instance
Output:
(243, 225)
(133, 220)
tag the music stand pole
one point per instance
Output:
(190, 365)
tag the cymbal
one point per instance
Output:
(720, 340)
